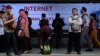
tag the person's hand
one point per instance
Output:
(82, 29)
(1, 26)
(49, 38)
(95, 30)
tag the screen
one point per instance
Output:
(50, 9)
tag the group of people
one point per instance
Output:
(82, 28)
(14, 34)
(17, 34)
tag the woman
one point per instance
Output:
(93, 30)
(75, 23)
(23, 33)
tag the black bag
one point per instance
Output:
(75, 27)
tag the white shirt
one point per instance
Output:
(79, 22)
(1, 27)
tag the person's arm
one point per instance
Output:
(71, 21)
(1, 25)
(87, 20)
(63, 23)
(79, 22)
(53, 23)
(6, 22)
(30, 21)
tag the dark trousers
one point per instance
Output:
(24, 43)
(98, 34)
(58, 35)
(74, 40)
(2, 43)
(11, 42)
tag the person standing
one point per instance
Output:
(75, 23)
(9, 21)
(30, 30)
(45, 33)
(58, 23)
(23, 32)
(93, 30)
(2, 38)
(85, 29)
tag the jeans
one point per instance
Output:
(58, 36)
(11, 40)
(85, 36)
(74, 40)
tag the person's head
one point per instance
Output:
(22, 12)
(43, 15)
(57, 14)
(74, 11)
(1, 13)
(26, 13)
(93, 16)
(83, 10)
(8, 8)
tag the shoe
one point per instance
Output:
(25, 52)
(78, 52)
(89, 50)
(8, 54)
(20, 51)
(17, 53)
(68, 53)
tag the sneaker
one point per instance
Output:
(8, 54)
(25, 52)
(17, 53)
(78, 52)
(68, 53)
(89, 50)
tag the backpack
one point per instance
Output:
(75, 27)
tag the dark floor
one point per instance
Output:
(59, 52)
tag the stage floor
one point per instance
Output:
(59, 52)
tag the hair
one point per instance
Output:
(26, 12)
(57, 14)
(93, 15)
(21, 10)
(84, 9)
(74, 9)
(2, 12)
(9, 7)
(43, 15)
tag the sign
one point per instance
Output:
(36, 9)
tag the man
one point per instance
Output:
(9, 20)
(45, 33)
(2, 38)
(85, 29)
(58, 23)
(75, 23)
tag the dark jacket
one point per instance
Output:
(43, 22)
(58, 23)
(18, 24)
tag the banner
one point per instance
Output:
(50, 9)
